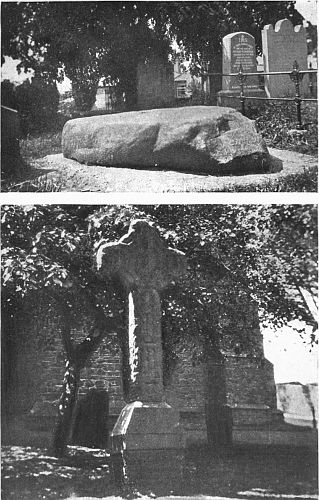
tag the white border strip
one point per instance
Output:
(76, 198)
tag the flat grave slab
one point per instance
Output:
(73, 176)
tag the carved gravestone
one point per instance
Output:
(144, 265)
(239, 53)
(282, 46)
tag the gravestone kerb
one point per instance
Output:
(144, 265)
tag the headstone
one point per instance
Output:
(239, 53)
(282, 46)
(144, 265)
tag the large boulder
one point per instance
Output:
(208, 139)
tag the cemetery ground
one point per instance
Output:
(275, 121)
(238, 473)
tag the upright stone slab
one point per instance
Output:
(282, 46)
(155, 83)
(239, 51)
(145, 266)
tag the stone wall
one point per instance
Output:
(104, 372)
(200, 390)
(187, 391)
(249, 381)
(35, 361)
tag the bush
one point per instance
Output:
(8, 94)
(276, 121)
(37, 103)
(84, 95)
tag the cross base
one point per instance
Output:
(160, 471)
(147, 445)
(147, 426)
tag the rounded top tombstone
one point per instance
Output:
(239, 51)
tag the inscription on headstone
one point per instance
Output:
(239, 50)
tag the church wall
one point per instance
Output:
(249, 381)
(198, 389)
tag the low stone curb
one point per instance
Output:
(74, 176)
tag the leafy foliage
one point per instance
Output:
(37, 103)
(276, 122)
(192, 24)
(107, 39)
(98, 40)
(238, 255)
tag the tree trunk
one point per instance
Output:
(77, 357)
(66, 408)
(215, 81)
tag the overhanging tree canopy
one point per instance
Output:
(238, 255)
(264, 250)
(107, 39)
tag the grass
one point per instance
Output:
(306, 181)
(245, 473)
(38, 146)
(42, 184)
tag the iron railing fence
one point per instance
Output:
(296, 75)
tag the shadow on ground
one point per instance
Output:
(259, 472)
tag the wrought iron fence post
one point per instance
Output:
(297, 77)
(242, 80)
(310, 81)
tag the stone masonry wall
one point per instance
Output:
(104, 372)
(249, 381)
(187, 391)
(35, 363)
(40, 365)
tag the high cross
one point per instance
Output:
(144, 265)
